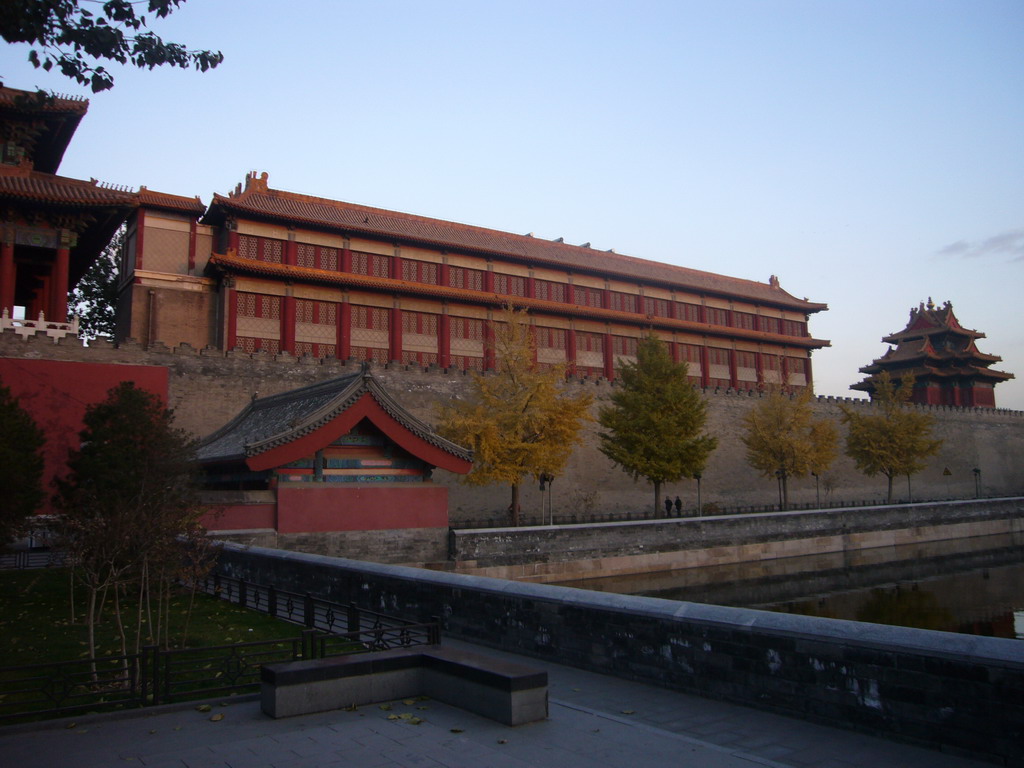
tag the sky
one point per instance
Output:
(869, 153)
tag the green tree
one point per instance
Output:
(74, 38)
(129, 508)
(94, 299)
(894, 439)
(784, 440)
(655, 421)
(21, 465)
(521, 420)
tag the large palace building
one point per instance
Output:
(265, 270)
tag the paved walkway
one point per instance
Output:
(595, 722)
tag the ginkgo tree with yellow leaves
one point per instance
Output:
(784, 439)
(894, 438)
(521, 420)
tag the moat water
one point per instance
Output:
(973, 586)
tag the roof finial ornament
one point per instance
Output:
(931, 304)
(773, 281)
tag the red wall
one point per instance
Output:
(309, 507)
(240, 517)
(56, 394)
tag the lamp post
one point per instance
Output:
(977, 482)
(817, 489)
(778, 477)
(546, 481)
(700, 507)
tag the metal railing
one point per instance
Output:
(28, 558)
(369, 629)
(156, 676)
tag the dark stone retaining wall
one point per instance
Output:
(959, 693)
(542, 544)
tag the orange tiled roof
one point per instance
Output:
(153, 199)
(36, 187)
(22, 100)
(259, 201)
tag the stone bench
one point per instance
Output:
(508, 692)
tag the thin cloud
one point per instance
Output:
(1004, 244)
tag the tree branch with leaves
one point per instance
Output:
(66, 35)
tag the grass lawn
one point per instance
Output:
(36, 624)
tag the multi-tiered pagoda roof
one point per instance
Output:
(942, 356)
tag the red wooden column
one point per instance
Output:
(444, 340)
(807, 375)
(606, 344)
(344, 345)
(8, 274)
(570, 352)
(734, 379)
(233, 242)
(346, 260)
(59, 286)
(288, 323)
(705, 366)
(489, 344)
(231, 314)
(395, 354)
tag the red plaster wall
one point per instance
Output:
(240, 517)
(317, 507)
(56, 393)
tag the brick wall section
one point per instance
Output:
(208, 387)
(955, 692)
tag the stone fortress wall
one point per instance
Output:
(207, 387)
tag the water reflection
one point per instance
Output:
(972, 586)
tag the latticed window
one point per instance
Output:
(260, 248)
(549, 338)
(549, 291)
(622, 302)
(316, 330)
(470, 279)
(655, 307)
(689, 312)
(718, 367)
(743, 320)
(746, 370)
(419, 271)
(374, 318)
(318, 312)
(716, 316)
(794, 328)
(371, 264)
(317, 257)
(378, 355)
(692, 355)
(771, 324)
(586, 297)
(250, 344)
(623, 346)
(258, 305)
(509, 285)
(551, 343)
(589, 353)
(419, 323)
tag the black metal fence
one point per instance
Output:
(31, 558)
(156, 676)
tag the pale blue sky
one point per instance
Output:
(870, 154)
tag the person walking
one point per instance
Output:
(679, 507)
